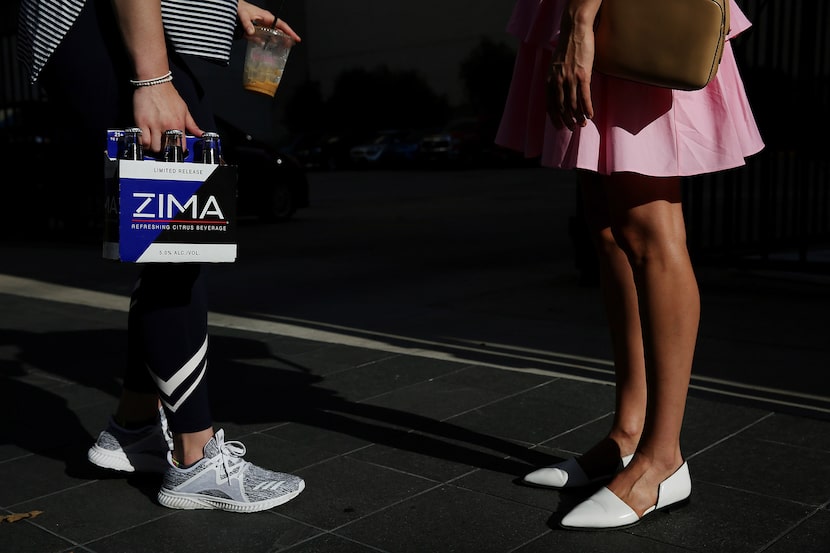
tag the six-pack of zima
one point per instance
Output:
(176, 207)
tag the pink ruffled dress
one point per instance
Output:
(636, 128)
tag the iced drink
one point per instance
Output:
(265, 59)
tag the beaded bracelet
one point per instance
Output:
(152, 82)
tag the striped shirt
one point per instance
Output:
(201, 28)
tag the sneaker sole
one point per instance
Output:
(120, 462)
(175, 500)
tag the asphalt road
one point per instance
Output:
(388, 236)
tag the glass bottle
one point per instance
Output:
(131, 144)
(172, 146)
(210, 149)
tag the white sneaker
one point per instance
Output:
(142, 450)
(223, 480)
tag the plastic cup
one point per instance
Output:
(265, 59)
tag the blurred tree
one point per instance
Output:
(304, 109)
(365, 100)
(382, 98)
(486, 73)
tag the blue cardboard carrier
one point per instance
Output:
(161, 212)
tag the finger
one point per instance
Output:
(286, 28)
(155, 140)
(267, 19)
(251, 24)
(146, 138)
(587, 104)
(579, 114)
(556, 120)
(572, 99)
(247, 19)
(191, 127)
(566, 115)
(566, 104)
(251, 16)
(556, 114)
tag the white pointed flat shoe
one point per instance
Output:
(604, 510)
(568, 474)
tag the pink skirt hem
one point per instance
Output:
(636, 128)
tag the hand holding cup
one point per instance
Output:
(265, 58)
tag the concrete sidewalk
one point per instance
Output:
(411, 433)
(411, 345)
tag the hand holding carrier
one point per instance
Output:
(177, 207)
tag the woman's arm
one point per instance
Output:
(569, 89)
(159, 107)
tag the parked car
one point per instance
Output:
(304, 148)
(461, 142)
(272, 185)
(391, 148)
(326, 151)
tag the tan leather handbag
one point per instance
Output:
(668, 43)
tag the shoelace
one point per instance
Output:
(165, 429)
(229, 452)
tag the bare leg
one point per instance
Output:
(647, 221)
(188, 447)
(620, 299)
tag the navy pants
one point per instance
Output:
(87, 81)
